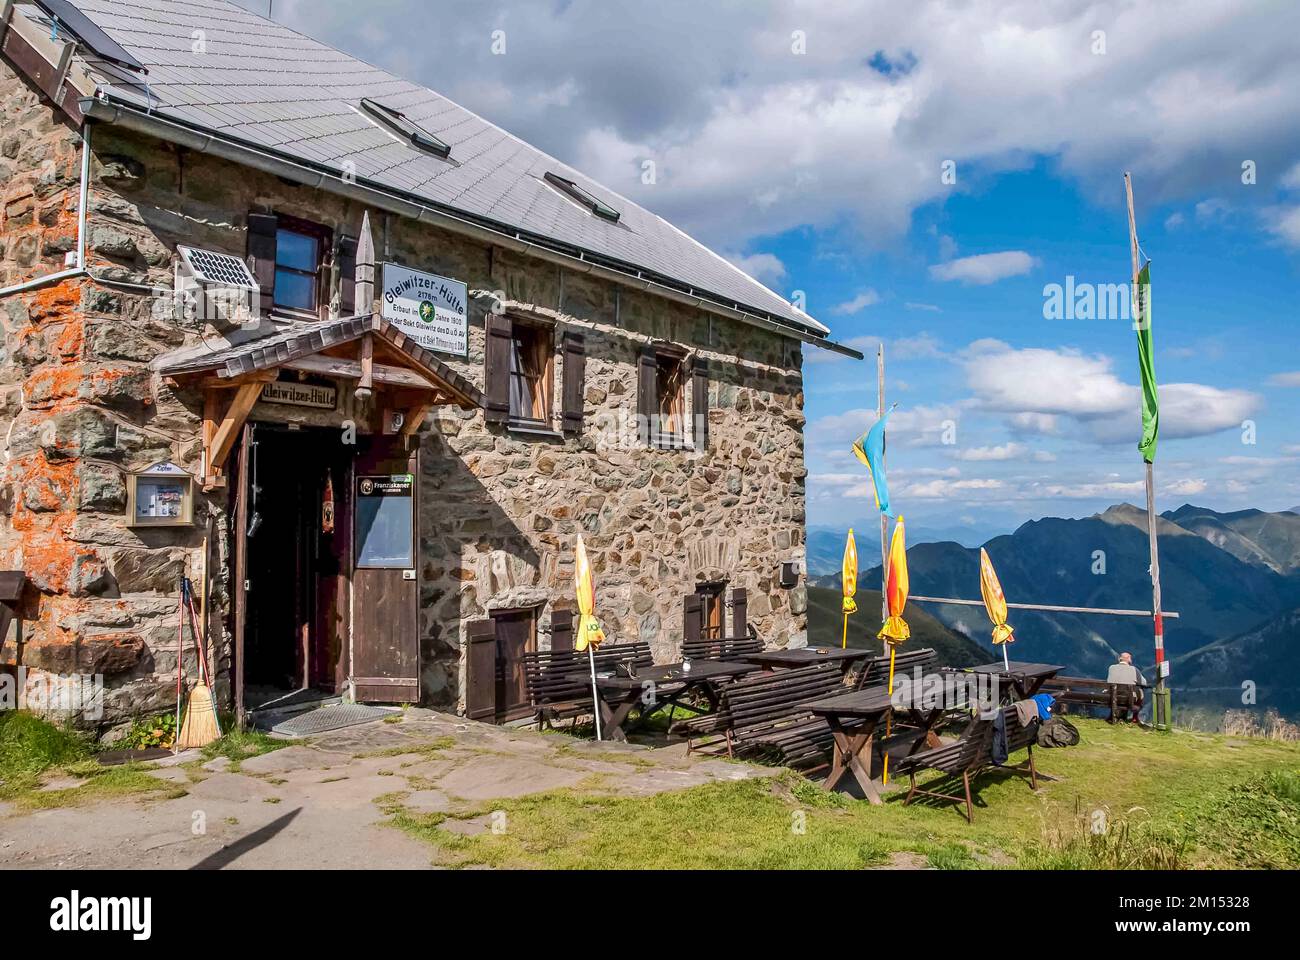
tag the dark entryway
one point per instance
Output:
(296, 586)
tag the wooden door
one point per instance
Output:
(385, 586)
(516, 635)
(242, 489)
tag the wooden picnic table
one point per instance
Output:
(805, 656)
(854, 718)
(1019, 680)
(618, 695)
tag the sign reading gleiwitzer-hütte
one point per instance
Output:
(431, 310)
(320, 395)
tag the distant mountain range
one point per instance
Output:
(1234, 578)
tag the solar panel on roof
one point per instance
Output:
(90, 35)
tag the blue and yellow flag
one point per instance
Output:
(870, 450)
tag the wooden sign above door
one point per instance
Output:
(322, 395)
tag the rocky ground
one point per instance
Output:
(327, 802)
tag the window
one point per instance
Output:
(712, 604)
(581, 196)
(532, 371)
(400, 124)
(300, 252)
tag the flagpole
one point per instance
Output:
(1160, 709)
(884, 521)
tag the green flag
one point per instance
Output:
(1146, 361)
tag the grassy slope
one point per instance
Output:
(825, 625)
(1182, 799)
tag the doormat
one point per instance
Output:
(333, 717)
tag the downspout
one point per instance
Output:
(83, 198)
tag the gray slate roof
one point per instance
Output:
(264, 85)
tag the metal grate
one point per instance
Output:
(218, 269)
(330, 718)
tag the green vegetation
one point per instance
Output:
(1124, 798)
(34, 752)
(239, 745)
(159, 731)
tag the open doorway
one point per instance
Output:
(296, 527)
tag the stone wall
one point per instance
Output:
(80, 407)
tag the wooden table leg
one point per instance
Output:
(612, 719)
(847, 755)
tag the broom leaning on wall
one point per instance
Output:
(201, 725)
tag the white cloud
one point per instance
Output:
(1284, 223)
(1185, 488)
(1006, 451)
(863, 300)
(985, 268)
(1035, 382)
(946, 489)
(766, 268)
(750, 140)
(927, 307)
(1289, 379)
(910, 426)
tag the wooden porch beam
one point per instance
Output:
(223, 440)
(351, 370)
(365, 383)
(414, 417)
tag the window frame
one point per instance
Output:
(402, 125)
(542, 337)
(713, 599)
(323, 236)
(679, 439)
(582, 197)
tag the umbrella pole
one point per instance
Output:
(889, 717)
(844, 640)
(595, 697)
(1006, 664)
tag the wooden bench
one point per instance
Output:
(968, 756)
(875, 670)
(553, 690)
(1121, 699)
(722, 648)
(767, 717)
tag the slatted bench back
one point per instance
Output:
(775, 697)
(550, 672)
(875, 670)
(722, 648)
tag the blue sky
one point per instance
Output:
(807, 142)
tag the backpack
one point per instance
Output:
(1058, 732)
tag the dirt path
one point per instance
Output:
(314, 804)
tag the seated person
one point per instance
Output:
(1125, 673)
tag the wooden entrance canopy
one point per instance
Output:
(366, 349)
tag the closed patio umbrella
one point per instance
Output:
(895, 629)
(590, 636)
(995, 602)
(849, 581)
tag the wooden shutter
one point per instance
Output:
(496, 369)
(646, 388)
(348, 278)
(575, 364)
(480, 670)
(261, 255)
(561, 630)
(692, 617)
(739, 612)
(700, 402)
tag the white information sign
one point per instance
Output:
(431, 310)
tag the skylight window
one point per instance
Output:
(401, 125)
(575, 192)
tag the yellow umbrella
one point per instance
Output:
(895, 629)
(995, 602)
(590, 636)
(849, 578)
